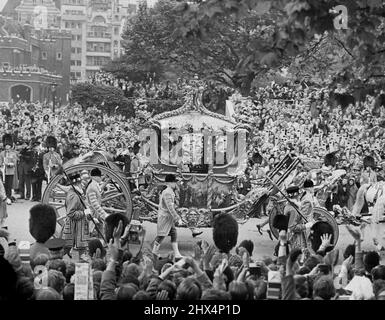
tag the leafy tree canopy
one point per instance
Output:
(353, 57)
(227, 54)
(107, 98)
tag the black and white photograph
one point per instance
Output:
(196, 155)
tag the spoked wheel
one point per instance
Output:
(116, 195)
(324, 221)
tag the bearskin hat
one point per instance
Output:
(330, 160)
(95, 244)
(112, 222)
(42, 222)
(7, 140)
(369, 162)
(318, 229)
(308, 183)
(136, 147)
(225, 232)
(51, 142)
(248, 245)
(281, 222)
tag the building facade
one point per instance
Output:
(96, 27)
(34, 64)
(42, 14)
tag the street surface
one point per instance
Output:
(18, 216)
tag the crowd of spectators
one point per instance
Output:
(77, 132)
(289, 120)
(71, 125)
(149, 89)
(310, 129)
(24, 69)
(210, 274)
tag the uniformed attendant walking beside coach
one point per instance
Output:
(167, 217)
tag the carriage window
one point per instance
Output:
(220, 151)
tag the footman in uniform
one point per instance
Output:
(167, 216)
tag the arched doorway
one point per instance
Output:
(21, 92)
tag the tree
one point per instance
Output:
(129, 69)
(140, 62)
(302, 22)
(225, 55)
(106, 98)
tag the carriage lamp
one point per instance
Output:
(135, 230)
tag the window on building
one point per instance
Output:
(78, 63)
(78, 74)
(72, 75)
(79, 37)
(79, 50)
(44, 55)
(72, 62)
(67, 25)
(116, 31)
(59, 56)
(115, 43)
(73, 50)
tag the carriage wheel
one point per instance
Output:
(318, 212)
(116, 195)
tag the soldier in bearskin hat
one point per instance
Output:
(225, 236)
(42, 226)
(8, 164)
(225, 232)
(51, 160)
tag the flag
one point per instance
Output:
(98, 143)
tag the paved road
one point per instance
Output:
(19, 215)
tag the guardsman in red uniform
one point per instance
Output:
(51, 160)
(8, 163)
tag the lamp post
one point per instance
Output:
(53, 91)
